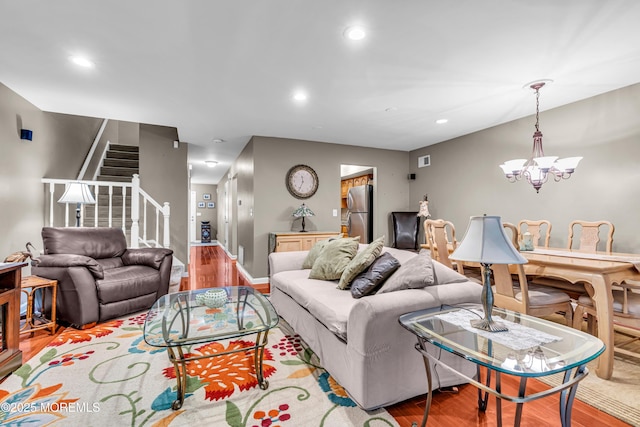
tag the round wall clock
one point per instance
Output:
(302, 181)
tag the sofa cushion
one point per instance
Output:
(328, 305)
(109, 263)
(363, 259)
(416, 273)
(367, 282)
(334, 258)
(127, 282)
(445, 275)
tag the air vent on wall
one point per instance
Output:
(424, 161)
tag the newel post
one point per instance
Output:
(166, 212)
(135, 211)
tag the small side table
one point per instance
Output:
(29, 285)
(532, 348)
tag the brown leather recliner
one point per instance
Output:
(98, 277)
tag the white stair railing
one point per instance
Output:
(150, 218)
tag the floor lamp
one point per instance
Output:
(80, 194)
(486, 242)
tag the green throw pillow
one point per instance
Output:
(333, 259)
(313, 254)
(360, 262)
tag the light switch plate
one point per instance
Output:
(335, 212)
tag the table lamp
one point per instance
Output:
(303, 211)
(486, 242)
(79, 193)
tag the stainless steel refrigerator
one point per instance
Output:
(360, 213)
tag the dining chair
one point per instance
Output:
(440, 235)
(518, 295)
(590, 235)
(626, 313)
(538, 229)
(514, 233)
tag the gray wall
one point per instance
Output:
(60, 144)
(464, 178)
(164, 175)
(264, 204)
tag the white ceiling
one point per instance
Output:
(228, 69)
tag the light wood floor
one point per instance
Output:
(211, 267)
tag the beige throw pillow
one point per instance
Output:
(415, 273)
(360, 262)
(334, 258)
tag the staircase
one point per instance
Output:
(120, 164)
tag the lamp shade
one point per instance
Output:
(486, 242)
(302, 211)
(77, 192)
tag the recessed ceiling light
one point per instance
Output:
(300, 96)
(388, 109)
(355, 33)
(442, 121)
(211, 163)
(81, 61)
(218, 141)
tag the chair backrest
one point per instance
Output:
(406, 229)
(590, 235)
(538, 229)
(94, 242)
(504, 291)
(514, 233)
(440, 234)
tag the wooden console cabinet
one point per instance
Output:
(10, 354)
(295, 241)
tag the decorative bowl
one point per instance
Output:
(200, 299)
(215, 298)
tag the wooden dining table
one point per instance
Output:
(601, 270)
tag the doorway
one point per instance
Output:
(358, 201)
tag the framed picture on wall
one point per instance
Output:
(206, 196)
(211, 205)
(201, 204)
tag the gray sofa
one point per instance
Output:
(360, 341)
(99, 278)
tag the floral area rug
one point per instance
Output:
(109, 376)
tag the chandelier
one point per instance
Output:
(539, 167)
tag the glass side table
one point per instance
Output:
(532, 347)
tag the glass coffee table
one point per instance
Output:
(179, 320)
(532, 347)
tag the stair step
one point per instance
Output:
(121, 163)
(118, 171)
(122, 147)
(114, 178)
(122, 155)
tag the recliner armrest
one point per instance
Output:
(70, 260)
(151, 257)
